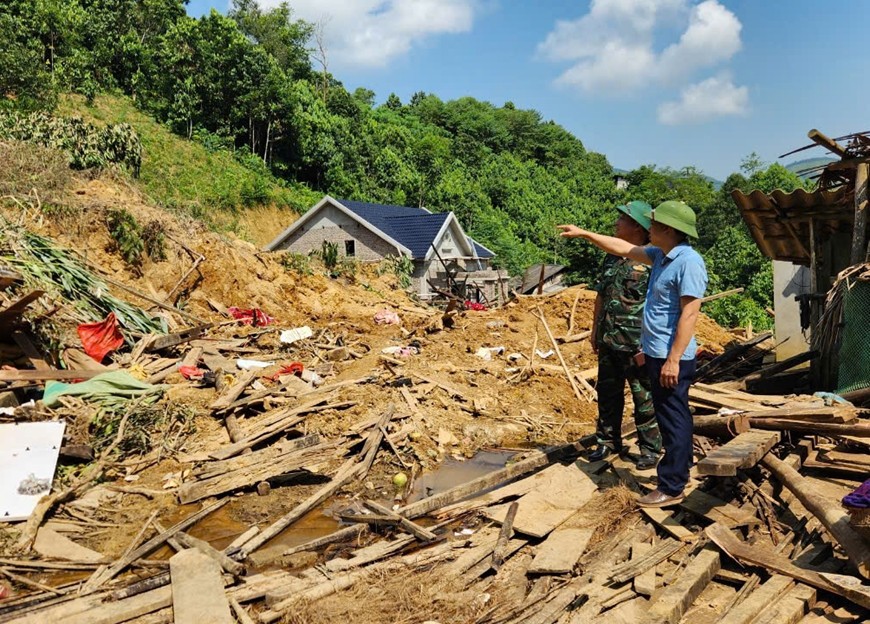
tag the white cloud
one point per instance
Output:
(613, 46)
(706, 100)
(371, 33)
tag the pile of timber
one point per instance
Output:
(760, 537)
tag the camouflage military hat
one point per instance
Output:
(638, 211)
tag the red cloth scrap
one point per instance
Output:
(101, 338)
(252, 316)
(294, 368)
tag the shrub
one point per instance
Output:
(329, 255)
(127, 235)
(297, 262)
(154, 238)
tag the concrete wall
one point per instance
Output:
(334, 226)
(789, 280)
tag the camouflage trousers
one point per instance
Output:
(614, 369)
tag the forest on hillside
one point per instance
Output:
(256, 83)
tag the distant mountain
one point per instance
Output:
(808, 166)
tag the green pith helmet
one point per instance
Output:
(676, 214)
(639, 211)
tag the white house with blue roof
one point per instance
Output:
(372, 232)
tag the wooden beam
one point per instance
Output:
(828, 143)
(680, 595)
(198, 590)
(765, 557)
(744, 451)
(859, 228)
(827, 511)
(44, 375)
(535, 460)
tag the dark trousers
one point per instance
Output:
(614, 369)
(675, 422)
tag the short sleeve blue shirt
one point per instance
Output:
(680, 273)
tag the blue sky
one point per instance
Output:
(666, 82)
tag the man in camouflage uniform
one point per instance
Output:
(616, 340)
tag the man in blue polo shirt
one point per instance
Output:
(677, 283)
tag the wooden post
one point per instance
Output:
(859, 230)
(825, 510)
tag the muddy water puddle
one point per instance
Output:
(221, 527)
(452, 472)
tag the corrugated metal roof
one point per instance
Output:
(779, 222)
(532, 275)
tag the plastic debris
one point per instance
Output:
(544, 354)
(252, 364)
(387, 317)
(101, 338)
(289, 336)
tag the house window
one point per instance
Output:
(349, 248)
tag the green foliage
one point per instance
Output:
(154, 239)
(329, 255)
(297, 263)
(127, 234)
(400, 266)
(86, 145)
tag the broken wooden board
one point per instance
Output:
(846, 586)
(790, 608)
(744, 451)
(18, 307)
(171, 340)
(717, 510)
(511, 490)
(665, 520)
(677, 597)
(559, 553)
(759, 600)
(198, 590)
(44, 375)
(645, 582)
(53, 545)
(834, 414)
(542, 510)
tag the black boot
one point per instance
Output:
(646, 460)
(600, 453)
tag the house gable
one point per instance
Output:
(331, 221)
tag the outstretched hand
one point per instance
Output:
(570, 231)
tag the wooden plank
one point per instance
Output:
(30, 350)
(789, 609)
(833, 414)
(717, 510)
(103, 576)
(416, 530)
(542, 510)
(744, 451)
(511, 490)
(760, 555)
(197, 590)
(172, 340)
(645, 582)
(665, 520)
(53, 545)
(860, 429)
(679, 596)
(122, 610)
(18, 306)
(233, 392)
(535, 460)
(827, 511)
(44, 375)
(561, 551)
(759, 600)
(250, 475)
